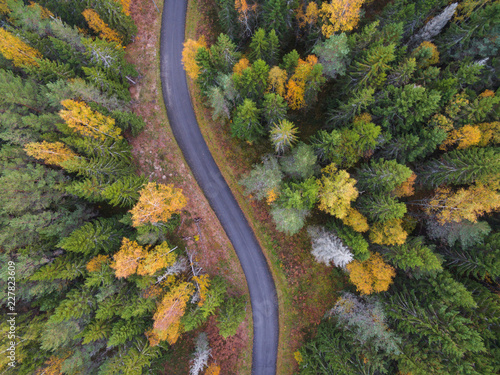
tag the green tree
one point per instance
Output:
(300, 163)
(381, 207)
(259, 46)
(289, 220)
(333, 55)
(231, 315)
(382, 176)
(283, 135)
(264, 178)
(246, 123)
(274, 108)
(302, 195)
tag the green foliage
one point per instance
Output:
(289, 220)
(263, 178)
(300, 163)
(274, 108)
(301, 196)
(381, 176)
(125, 330)
(333, 55)
(354, 240)
(381, 207)
(230, 316)
(246, 124)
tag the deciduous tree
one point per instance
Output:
(372, 275)
(189, 52)
(21, 54)
(100, 27)
(56, 153)
(340, 15)
(390, 232)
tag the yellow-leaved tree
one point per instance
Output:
(356, 220)
(81, 118)
(189, 52)
(55, 153)
(213, 369)
(371, 275)
(167, 318)
(389, 232)
(13, 48)
(296, 86)
(464, 137)
(100, 27)
(464, 204)
(125, 6)
(336, 191)
(4, 8)
(241, 65)
(126, 260)
(159, 257)
(277, 79)
(340, 15)
(157, 202)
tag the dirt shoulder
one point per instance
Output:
(157, 156)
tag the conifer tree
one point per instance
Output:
(246, 123)
(283, 135)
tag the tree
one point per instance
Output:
(464, 204)
(356, 220)
(213, 369)
(201, 354)
(301, 163)
(328, 248)
(372, 275)
(56, 153)
(264, 178)
(381, 207)
(127, 259)
(283, 135)
(465, 233)
(464, 137)
(390, 232)
(231, 315)
(435, 25)
(252, 82)
(289, 220)
(301, 195)
(246, 123)
(167, 317)
(371, 70)
(224, 54)
(382, 176)
(304, 84)
(21, 54)
(81, 118)
(277, 79)
(340, 15)
(460, 167)
(333, 54)
(100, 27)
(189, 52)
(157, 203)
(259, 45)
(274, 108)
(406, 189)
(275, 16)
(353, 239)
(414, 257)
(246, 15)
(336, 191)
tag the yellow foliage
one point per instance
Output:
(356, 220)
(44, 12)
(271, 196)
(157, 202)
(297, 83)
(372, 275)
(96, 262)
(52, 153)
(277, 79)
(407, 188)
(312, 13)
(456, 105)
(189, 52)
(244, 9)
(441, 121)
(126, 260)
(340, 15)
(213, 369)
(487, 93)
(54, 365)
(490, 133)
(434, 59)
(159, 257)
(241, 65)
(389, 232)
(295, 95)
(81, 118)
(298, 357)
(465, 8)
(4, 8)
(167, 317)
(203, 282)
(464, 204)
(100, 27)
(125, 6)
(336, 191)
(13, 48)
(464, 137)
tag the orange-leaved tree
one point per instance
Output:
(189, 52)
(167, 318)
(389, 232)
(296, 86)
(340, 15)
(50, 152)
(81, 118)
(464, 137)
(213, 369)
(241, 65)
(125, 6)
(371, 275)
(407, 188)
(157, 202)
(100, 27)
(96, 263)
(13, 48)
(336, 191)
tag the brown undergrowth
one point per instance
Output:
(306, 289)
(157, 156)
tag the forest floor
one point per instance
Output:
(157, 156)
(306, 289)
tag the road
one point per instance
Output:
(188, 136)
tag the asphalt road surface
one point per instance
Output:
(187, 133)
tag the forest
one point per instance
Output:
(377, 125)
(95, 273)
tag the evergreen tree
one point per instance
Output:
(246, 124)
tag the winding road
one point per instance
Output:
(187, 133)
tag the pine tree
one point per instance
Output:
(328, 248)
(283, 135)
(275, 16)
(274, 108)
(124, 192)
(259, 45)
(263, 178)
(333, 54)
(381, 207)
(300, 163)
(231, 315)
(289, 220)
(246, 123)
(382, 176)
